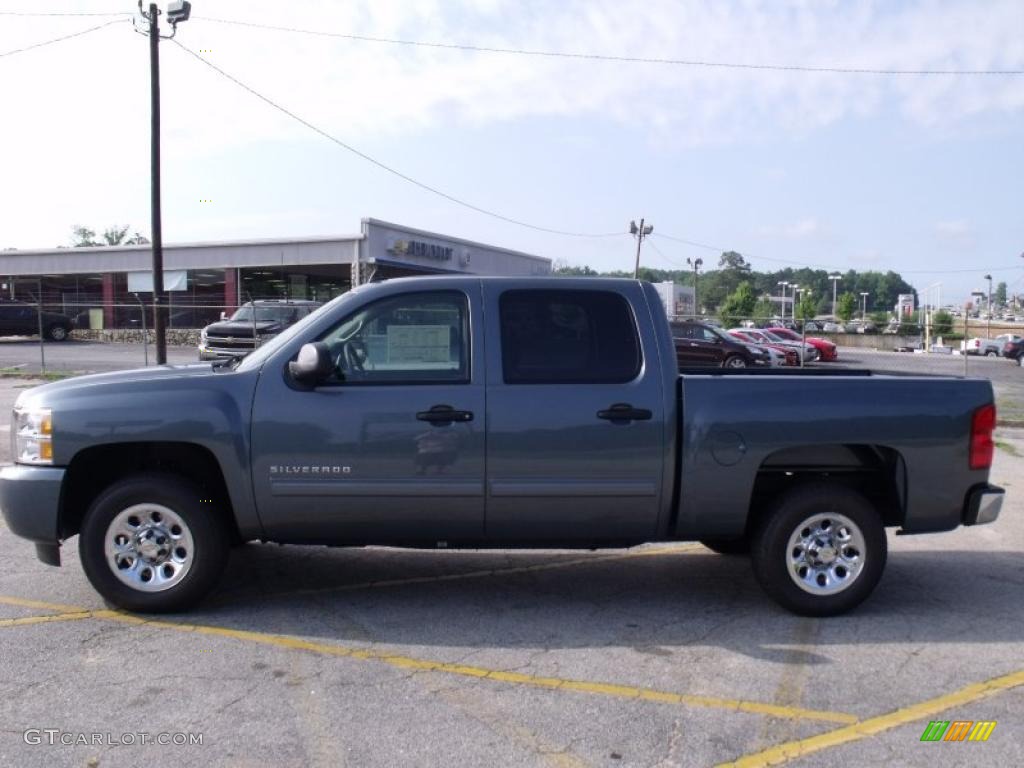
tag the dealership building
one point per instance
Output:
(102, 286)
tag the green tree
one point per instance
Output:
(807, 307)
(733, 260)
(1000, 297)
(763, 310)
(846, 306)
(942, 323)
(83, 237)
(738, 306)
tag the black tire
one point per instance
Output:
(740, 546)
(770, 549)
(208, 550)
(734, 361)
(991, 353)
(58, 332)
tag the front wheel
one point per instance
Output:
(734, 361)
(821, 550)
(991, 353)
(57, 332)
(151, 544)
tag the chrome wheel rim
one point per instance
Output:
(58, 333)
(826, 554)
(149, 547)
(737, 362)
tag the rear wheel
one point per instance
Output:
(821, 551)
(991, 353)
(150, 544)
(734, 361)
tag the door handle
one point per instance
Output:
(623, 413)
(444, 415)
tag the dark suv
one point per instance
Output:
(20, 319)
(241, 333)
(1014, 350)
(703, 345)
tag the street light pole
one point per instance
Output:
(835, 281)
(783, 283)
(864, 302)
(988, 305)
(640, 232)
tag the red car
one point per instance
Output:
(792, 357)
(826, 349)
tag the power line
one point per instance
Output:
(61, 13)
(60, 39)
(383, 166)
(613, 58)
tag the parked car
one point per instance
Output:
(330, 435)
(781, 354)
(241, 333)
(980, 346)
(17, 318)
(761, 336)
(1012, 350)
(702, 345)
(827, 351)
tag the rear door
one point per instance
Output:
(575, 415)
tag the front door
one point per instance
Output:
(575, 414)
(391, 449)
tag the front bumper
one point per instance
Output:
(983, 505)
(30, 502)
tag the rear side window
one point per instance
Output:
(568, 337)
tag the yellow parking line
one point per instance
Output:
(43, 619)
(481, 573)
(38, 605)
(782, 753)
(406, 662)
(516, 678)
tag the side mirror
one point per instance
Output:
(313, 364)
(223, 315)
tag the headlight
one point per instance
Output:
(33, 436)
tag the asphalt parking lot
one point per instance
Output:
(655, 656)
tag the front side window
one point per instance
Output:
(414, 338)
(563, 337)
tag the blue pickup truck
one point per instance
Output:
(493, 412)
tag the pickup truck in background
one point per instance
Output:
(980, 346)
(493, 412)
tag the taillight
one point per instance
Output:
(983, 423)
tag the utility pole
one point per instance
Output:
(696, 264)
(177, 12)
(783, 283)
(640, 232)
(864, 305)
(159, 324)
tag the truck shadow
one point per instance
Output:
(570, 600)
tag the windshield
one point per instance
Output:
(256, 358)
(285, 314)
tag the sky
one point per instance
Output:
(922, 174)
